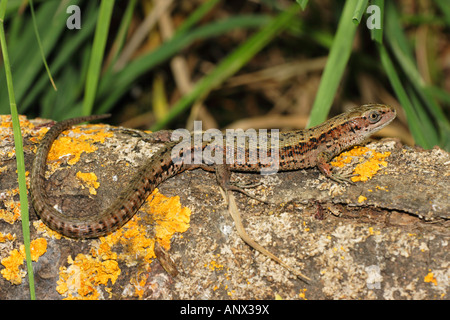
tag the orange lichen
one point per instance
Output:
(81, 280)
(6, 122)
(302, 294)
(70, 146)
(5, 237)
(37, 247)
(382, 188)
(12, 271)
(430, 278)
(77, 143)
(139, 285)
(139, 245)
(41, 228)
(366, 168)
(11, 213)
(89, 180)
(86, 274)
(170, 217)
(6, 135)
(213, 265)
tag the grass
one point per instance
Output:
(421, 107)
(20, 160)
(96, 57)
(88, 82)
(336, 64)
(89, 78)
(231, 64)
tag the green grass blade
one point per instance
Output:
(412, 117)
(439, 94)
(336, 64)
(24, 52)
(444, 5)
(98, 50)
(397, 41)
(41, 50)
(377, 34)
(195, 16)
(122, 33)
(112, 88)
(231, 64)
(401, 50)
(359, 11)
(302, 4)
(19, 153)
(69, 48)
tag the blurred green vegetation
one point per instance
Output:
(89, 79)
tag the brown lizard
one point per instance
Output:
(296, 150)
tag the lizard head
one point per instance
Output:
(370, 118)
(356, 125)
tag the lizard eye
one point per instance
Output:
(374, 117)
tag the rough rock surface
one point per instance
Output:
(393, 244)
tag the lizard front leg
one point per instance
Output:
(324, 166)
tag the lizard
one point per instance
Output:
(298, 149)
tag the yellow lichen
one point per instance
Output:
(382, 188)
(6, 122)
(41, 228)
(74, 145)
(139, 245)
(89, 179)
(213, 265)
(12, 263)
(11, 213)
(37, 247)
(302, 294)
(430, 278)
(6, 237)
(12, 272)
(366, 168)
(139, 285)
(82, 279)
(373, 232)
(170, 217)
(85, 275)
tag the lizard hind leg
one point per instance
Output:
(223, 176)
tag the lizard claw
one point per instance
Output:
(247, 186)
(233, 187)
(342, 178)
